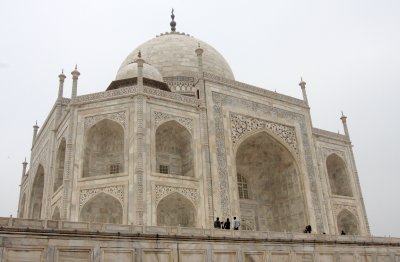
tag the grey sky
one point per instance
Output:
(348, 52)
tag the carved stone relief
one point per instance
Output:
(337, 208)
(160, 117)
(242, 125)
(116, 191)
(119, 117)
(162, 191)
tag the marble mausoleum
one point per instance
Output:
(140, 170)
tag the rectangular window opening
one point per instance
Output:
(164, 169)
(114, 169)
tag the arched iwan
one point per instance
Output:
(174, 150)
(347, 222)
(60, 163)
(338, 177)
(176, 210)
(275, 201)
(104, 149)
(37, 193)
(102, 208)
(56, 214)
(22, 207)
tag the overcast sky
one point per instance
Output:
(348, 52)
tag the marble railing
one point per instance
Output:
(135, 90)
(253, 89)
(320, 132)
(203, 233)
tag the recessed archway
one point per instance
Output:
(338, 177)
(37, 193)
(56, 214)
(104, 149)
(22, 207)
(274, 201)
(174, 152)
(347, 222)
(102, 208)
(176, 210)
(60, 163)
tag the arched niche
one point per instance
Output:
(174, 152)
(56, 214)
(104, 149)
(347, 222)
(338, 177)
(22, 206)
(37, 193)
(60, 164)
(174, 210)
(102, 208)
(275, 201)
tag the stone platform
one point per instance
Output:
(48, 240)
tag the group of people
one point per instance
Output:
(227, 224)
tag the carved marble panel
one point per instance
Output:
(160, 117)
(242, 125)
(119, 117)
(162, 191)
(117, 191)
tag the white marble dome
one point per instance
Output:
(131, 70)
(173, 54)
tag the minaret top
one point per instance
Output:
(62, 76)
(302, 83)
(173, 23)
(343, 117)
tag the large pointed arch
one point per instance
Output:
(174, 149)
(35, 206)
(347, 222)
(276, 202)
(176, 210)
(60, 164)
(339, 180)
(104, 149)
(102, 208)
(56, 214)
(22, 206)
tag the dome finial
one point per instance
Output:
(173, 23)
(139, 54)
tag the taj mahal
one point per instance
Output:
(171, 144)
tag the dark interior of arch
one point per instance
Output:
(174, 210)
(104, 149)
(174, 149)
(60, 162)
(347, 222)
(338, 177)
(22, 206)
(102, 208)
(275, 200)
(37, 193)
(56, 214)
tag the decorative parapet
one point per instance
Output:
(65, 101)
(106, 95)
(135, 90)
(253, 89)
(329, 134)
(8, 225)
(242, 125)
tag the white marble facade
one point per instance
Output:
(187, 147)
